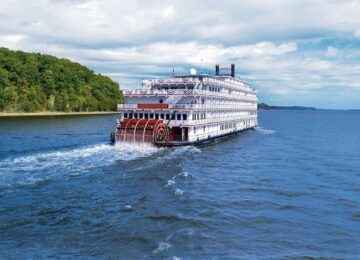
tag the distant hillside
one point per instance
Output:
(32, 82)
(267, 107)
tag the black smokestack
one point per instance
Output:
(233, 70)
(217, 70)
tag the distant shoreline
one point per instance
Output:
(263, 106)
(3, 114)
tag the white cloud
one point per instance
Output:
(12, 40)
(331, 51)
(168, 12)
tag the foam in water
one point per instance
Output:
(184, 174)
(31, 169)
(179, 192)
(162, 246)
(170, 183)
(180, 151)
(170, 154)
(127, 208)
(264, 131)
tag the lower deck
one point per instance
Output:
(202, 141)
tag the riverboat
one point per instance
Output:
(188, 109)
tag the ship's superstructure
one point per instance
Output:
(183, 110)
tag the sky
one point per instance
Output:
(293, 52)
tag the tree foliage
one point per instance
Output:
(32, 82)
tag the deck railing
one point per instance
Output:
(230, 83)
(250, 97)
(121, 107)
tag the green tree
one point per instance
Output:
(36, 82)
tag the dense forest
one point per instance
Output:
(32, 82)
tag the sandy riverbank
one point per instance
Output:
(57, 113)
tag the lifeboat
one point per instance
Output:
(141, 131)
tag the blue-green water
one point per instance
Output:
(288, 189)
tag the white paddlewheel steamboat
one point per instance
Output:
(184, 110)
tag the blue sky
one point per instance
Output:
(293, 52)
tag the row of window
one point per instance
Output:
(156, 116)
(214, 89)
(177, 87)
(177, 116)
(226, 126)
(198, 116)
(222, 127)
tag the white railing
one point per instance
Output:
(211, 106)
(193, 107)
(230, 83)
(175, 80)
(188, 92)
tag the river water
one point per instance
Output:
(289, 189)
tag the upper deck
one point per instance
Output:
(191, 92)
(200, 82)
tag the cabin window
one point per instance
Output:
(184, 116)
(141, 115)
(162, 116)
(135, 115)
(194, 130)
(167, 116)
(172, 116)
(156, 116)
(125, 115)
(151, 115)
(160, 101)
(178, 117)
(204, 128)
(146, 116)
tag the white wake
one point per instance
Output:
(32, 168)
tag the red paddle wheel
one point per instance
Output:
(141, 131)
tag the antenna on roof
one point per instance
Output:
(173, 73)
(201, 66)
